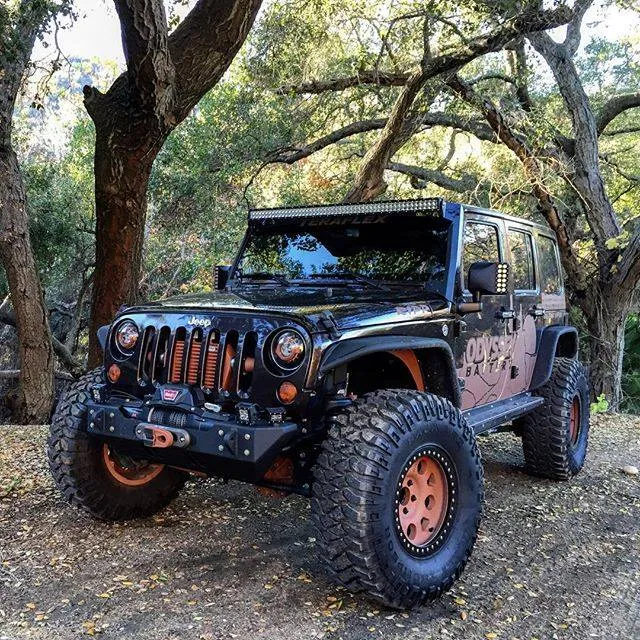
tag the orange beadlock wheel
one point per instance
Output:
(575, 419)
(129, 472)
(423, 501)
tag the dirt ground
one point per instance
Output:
(554, 560)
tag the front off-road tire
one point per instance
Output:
(83, 466)
(390, 456)
(555, 435)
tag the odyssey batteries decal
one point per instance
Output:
(496, 366)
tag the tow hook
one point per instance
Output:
(162, 437)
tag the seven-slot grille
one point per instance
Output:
(198, 357)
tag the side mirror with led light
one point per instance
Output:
(488, 278)
(220, 276)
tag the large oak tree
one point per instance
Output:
(167, 74)
(562, 162)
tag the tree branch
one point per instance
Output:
(369, 180)
(629, 265)
(290, 155)
(364, 77)
(65, 356)
(572, 40)
(492, 76)
(465, 183)
(622, 131)
(204, 44)
(587, 178)
(614, 107)
(521, 72)
(472, 49)
(534, 173)
(173, 72)
(19, 28)
(150, 70)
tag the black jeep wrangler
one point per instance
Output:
(352, 353)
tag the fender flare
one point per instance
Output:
(351, 349)
(548, 340)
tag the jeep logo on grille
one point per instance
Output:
(199, 322)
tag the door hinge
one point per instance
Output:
(328, 323)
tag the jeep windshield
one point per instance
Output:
(373, 251)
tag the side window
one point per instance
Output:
(480, 244)
(549, 269)
(521, 245)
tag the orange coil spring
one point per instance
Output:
(194, 362)
(211, 360)
(176, 361)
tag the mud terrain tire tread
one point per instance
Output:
(348, 477)
(75, 463)
(548, 451)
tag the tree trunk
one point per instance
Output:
(166, 77)
(122, 168)
(35, 395)
(606, 317)
(369, 182)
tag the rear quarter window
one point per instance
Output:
(522, 269)
(550, 279)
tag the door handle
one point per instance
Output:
(536, 312)
(506, 314)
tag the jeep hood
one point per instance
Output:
(350, 307)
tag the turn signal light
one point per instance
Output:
(114, 373)
(287, 392)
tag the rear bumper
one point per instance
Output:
(219, 437)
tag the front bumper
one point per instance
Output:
(202, 439)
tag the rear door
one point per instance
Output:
(484, 338)
(552, 294)
(526, 305)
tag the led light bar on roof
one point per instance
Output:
(425, 205)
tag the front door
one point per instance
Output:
(484, 360)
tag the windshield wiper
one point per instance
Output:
(263, 275)
(348, 275)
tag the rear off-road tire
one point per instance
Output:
(555, 435)
(92, 475)
(397, 496)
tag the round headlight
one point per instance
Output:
(288, 349)
(127, 335)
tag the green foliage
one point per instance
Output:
(197, 203)
(631, 366)
(609, 65)
(601, 405)
(60, 205)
